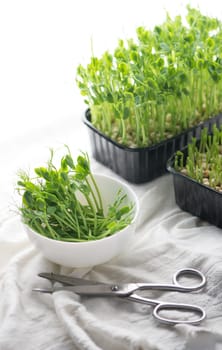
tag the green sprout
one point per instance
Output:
(65, 203)
(204, 159)
(156, 86)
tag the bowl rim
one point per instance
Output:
(96, 241)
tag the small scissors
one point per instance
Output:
(127, 291)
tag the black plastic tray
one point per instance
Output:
(195, 198)
(139, 165)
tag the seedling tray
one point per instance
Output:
(140, 165)
(197, 199)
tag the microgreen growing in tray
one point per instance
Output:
(156, 86)
(65, 203)
(204, 159)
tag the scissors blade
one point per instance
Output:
(94, 288)
(90, 290)
(80, 286)
(68, 280)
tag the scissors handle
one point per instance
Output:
(189, 272)
(161, 306)
(176, 286)
(197, 310)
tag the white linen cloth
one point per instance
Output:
(166, 239)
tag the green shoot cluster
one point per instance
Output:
(204, 159)
(65, 203)
(159, 84)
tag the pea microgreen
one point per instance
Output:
(65, 203)
(159, 84)
(204, 159)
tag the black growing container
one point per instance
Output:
(139, 165)
(197, 199)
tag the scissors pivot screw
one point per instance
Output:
(115, 288)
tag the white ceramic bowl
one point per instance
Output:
(84, 254)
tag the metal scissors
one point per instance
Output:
(127, 291)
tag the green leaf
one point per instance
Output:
(84, 92)
(134, 56)
(69, 161)
(111, 225)
(123, 68)
(83, 164)
(28, 199)
(42, 172)
(51, 210)
(210, 42)
(188, 38)
(64, 165)
(165, 47)
(157, 30)
(160, 62)
(64, 176)
(80, 174)
(50, 197)
(124, 210)
(40, 204)
(21, 183)
(84, 189)
(152, 84)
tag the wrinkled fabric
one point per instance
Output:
(166, 240)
